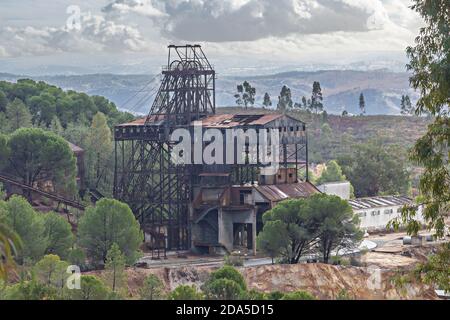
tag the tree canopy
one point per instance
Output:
(42, 102)
(58, 233)
(303, 225)
(285, 99)
(332, 173)
(36, 155)
(110, 221)
(99, 148)
(225, 284)
(245, 94)
(375, 169)
(23, 220)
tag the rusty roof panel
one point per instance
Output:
(137, 122)
(235, 120)
(141, 121)
(281, 192)
(219, 120)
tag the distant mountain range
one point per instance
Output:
(382, 89)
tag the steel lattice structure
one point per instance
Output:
(164, 196)
(158, 191)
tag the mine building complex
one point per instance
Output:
(203, 207)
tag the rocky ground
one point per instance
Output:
(372, 275)
(323, 280)
(374, 279)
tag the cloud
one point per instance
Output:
(281, 30)
(248, 20)
(97, 34)
(141, 7)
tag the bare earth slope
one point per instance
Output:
(322, 280)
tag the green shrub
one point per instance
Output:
(230, 273)
(298, 295)
(185, 292)
(256, 295)
(30, 290)
(152, 289)
(275, 295)
(343, 295)
(91, 288)
(223, 289)
(235, 260)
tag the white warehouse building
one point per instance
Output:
(375, 212)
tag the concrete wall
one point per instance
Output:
(377, 218)
(340, 189)
(226, 221)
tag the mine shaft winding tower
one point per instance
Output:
(173, 201)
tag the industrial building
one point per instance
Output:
(375, 212)
(202, 206)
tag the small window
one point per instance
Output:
(291, 128)
(290, 175)
(279, 176)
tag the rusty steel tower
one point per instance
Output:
(194, 204)
(157, 190)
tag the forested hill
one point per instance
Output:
(29, 103)
(331, 136)
(83, 120)
(341, 88)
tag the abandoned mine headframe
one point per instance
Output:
(203, 207)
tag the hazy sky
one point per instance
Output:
(232, 32)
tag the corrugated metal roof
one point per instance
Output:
(380, 201)
(141, 121)
(281, 192)
(235, 120)
(219, 120)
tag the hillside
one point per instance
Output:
(341, 88)
(392, 129)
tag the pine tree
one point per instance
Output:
(362, 104)
(56, 127)
(267, 102)
(115, 268)
(316, 97)
(3, 101)
(18, 115)
(99, 150)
